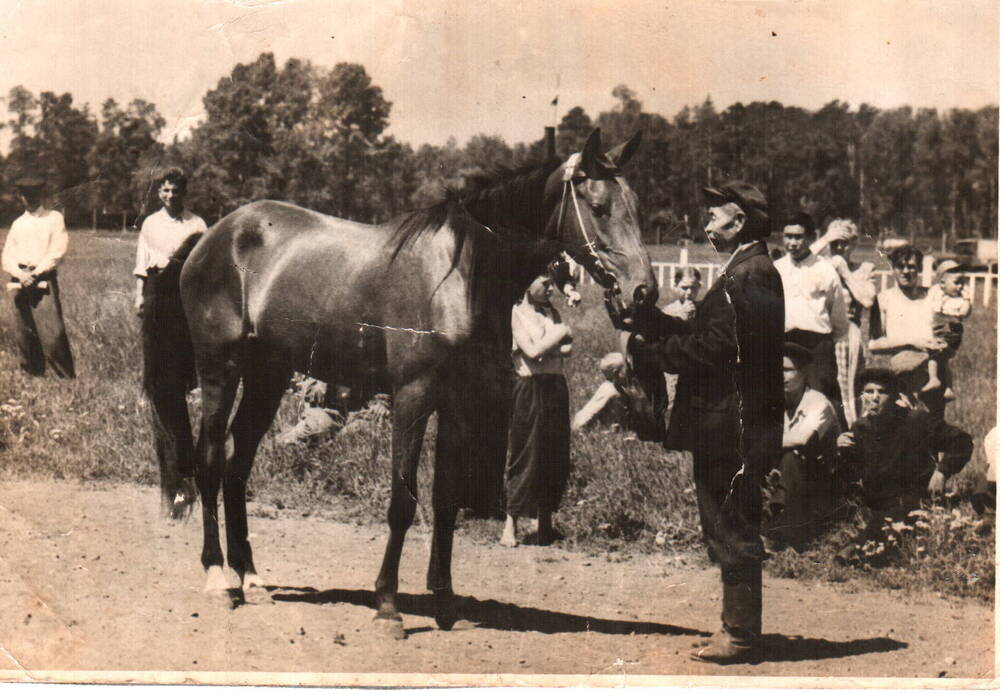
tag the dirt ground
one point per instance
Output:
(94, 580)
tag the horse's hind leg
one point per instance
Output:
(219, 378)
(412, 406)
(263, 387)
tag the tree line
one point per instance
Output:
(317, 137)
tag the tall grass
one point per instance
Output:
(624, 495)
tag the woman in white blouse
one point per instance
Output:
(538, 467)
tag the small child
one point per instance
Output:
(687, 282)
(951, 307)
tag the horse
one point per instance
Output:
(418, 307)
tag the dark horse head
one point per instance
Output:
(582, 205)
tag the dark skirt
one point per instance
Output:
(41, 331)
(538, 468)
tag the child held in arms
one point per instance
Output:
(951, 307)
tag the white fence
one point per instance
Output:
(982, 284)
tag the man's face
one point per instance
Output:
(875, 399)
(842, 248)
(31, 198)
(172, 196)
(795, 378)
(796, 241)
(725, 222)
(540, 291)
(907, 272)
(952, 283)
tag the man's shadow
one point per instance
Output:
(488, 614)
(505, 616)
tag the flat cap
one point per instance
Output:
(750, 199)
(29, 178)
(797, 353)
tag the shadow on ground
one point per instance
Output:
(488, 614)
(777, 648)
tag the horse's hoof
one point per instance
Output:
(390, 627)
(223, 599)
(445, 614)
(256, 594)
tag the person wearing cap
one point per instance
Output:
(805, 499)
(815, 305)
(858, 280)
(728, 410)
(36, 244)
(902, 330)
(895, 456)
(951, 307)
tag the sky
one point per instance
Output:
(461, 67)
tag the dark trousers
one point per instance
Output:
(808, 497)
(168, 372)
(729, 505)
(821, 372)
(538, 468)
(41, 332)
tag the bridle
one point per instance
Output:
(605, 277)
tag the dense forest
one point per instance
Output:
(317, 136)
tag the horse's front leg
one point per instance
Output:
(412, 406)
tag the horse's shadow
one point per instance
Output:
(488, 614)
(505, 616)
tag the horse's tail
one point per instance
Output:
(168, 376)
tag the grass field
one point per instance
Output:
(624, 497)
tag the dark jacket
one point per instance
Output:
(728, 359)
(897, 455)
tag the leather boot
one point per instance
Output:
(739, 639)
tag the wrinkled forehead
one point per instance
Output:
(726, 210)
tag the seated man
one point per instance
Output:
(331, 410)
(897, 456)
(805, 499)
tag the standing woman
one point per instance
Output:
(35, 245)
(538, 468)
(165, 240)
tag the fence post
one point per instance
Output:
(988, 289)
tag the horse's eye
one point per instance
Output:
(600, 209)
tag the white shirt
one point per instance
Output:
(907, 321)
(37, 240)
(814, 296)
(529, 324)
(161, 236)
(813, 417)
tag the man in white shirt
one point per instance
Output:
(805, 498)
(167, 237)
(165, 231)
(36, 244)
(815, 306)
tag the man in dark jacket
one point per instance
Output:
(728, 409)
(897, 456)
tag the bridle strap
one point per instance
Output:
(569, 191)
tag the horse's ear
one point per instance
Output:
(623, 153)
(591, 154)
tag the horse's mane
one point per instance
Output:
(503, 199)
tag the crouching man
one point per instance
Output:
(806, 498)
(896, 455)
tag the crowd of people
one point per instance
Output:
(793, 418)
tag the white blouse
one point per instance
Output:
(160, 238)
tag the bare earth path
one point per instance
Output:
(96, 580)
